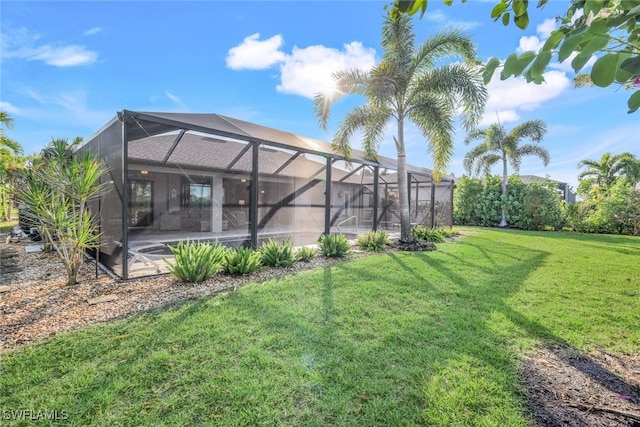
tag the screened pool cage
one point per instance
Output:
(205, 177)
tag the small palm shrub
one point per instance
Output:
(305, 253)
(334, 245)
(373, 240)
(195, 261)
(276, 254)
(448, 233)
(241, 261)
(429, 234)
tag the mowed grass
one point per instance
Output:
(388, 340)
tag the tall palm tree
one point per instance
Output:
(409, 83)
(498, 145)
(605, 171)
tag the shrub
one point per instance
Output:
(276, 254)
(616, 210)
(422, 232)
(241, 261)
(447, 233)
(196, 261)
(466, 199)
(305, 254)
(373, 240)
(542, 207)
(56, 190)
(334, 245)
(534, 206)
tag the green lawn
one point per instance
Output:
(387, 340)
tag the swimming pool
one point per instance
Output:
(298, 239)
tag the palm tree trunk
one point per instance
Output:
(503, 220)
(403, 191)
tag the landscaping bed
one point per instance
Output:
(38, 304)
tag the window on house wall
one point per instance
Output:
(196, 194)
(140, 203)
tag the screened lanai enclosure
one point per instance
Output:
(204, 177)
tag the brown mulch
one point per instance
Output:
(567, 388)
(563, 387)
(39, 304)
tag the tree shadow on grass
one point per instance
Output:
(555, 411)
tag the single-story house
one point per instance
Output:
(207, 177)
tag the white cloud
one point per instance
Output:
(507, 97)
(565, 66)
(535, 43)
(22, 44)
(174, 98)
(309, 70)
(439, 17)
(92, 31)
(63, 108)
(528, 43)
(305, 71)
(62, 56)
(544, 29)
(9, 108)
(255, 54)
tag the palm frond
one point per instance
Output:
(460, 84)
(386, 83)
(352, 81)
(6, 119)
(473, 158)
(532, 129)
(354, 120)
(449, 43)
(374, 132)
(475, 134)
(434, 118)
(10, 144)
(486, 162)
(535, 150)
(398, 41)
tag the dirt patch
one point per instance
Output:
(567, 388)
(8, 264)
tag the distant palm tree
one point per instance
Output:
(498, 145)
(631, 168)
(6, 119)
(409, 84)
(10, 161)
(605, 171)
(5, 143)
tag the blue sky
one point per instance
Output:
(68, 67)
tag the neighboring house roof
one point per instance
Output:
(141, 126)
(534, 178)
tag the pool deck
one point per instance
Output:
(143, 264)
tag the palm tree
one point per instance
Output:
(606, 171)
(631, 168)
(409, 84)
(10, 160)
(499, 146)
